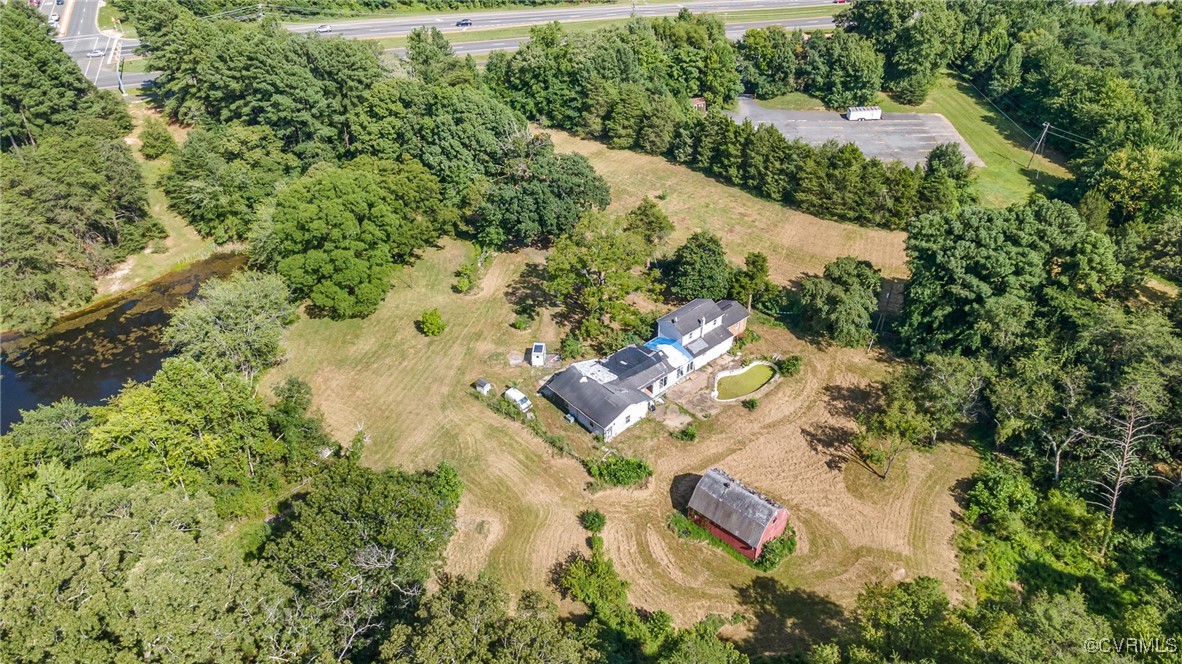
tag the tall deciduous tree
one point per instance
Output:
(699, 268)
(361, 545)
(233, 326)
(840, 304)
(538, 195)
(222, 177)
(843, 70)
(138, 574)
(176, 428)
(340, 232)
(977, 275)
(592, 270)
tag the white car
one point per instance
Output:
(323, 29)
(518, 399)
(53, 18)
(96, 53)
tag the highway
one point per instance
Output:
(79, 32)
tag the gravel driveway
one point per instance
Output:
(907, 137)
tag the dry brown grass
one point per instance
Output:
(796, 243)
(519, 512)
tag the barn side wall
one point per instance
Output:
(731, 541)
(775, 528)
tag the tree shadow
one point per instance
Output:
(680, 490)
(527, 293)
(834, 442)
(852, 401)
(846, 402)
(786, 620)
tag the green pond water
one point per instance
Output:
(741, 384)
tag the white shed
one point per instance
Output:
(483, 386)
(537, 355)
(864, 113)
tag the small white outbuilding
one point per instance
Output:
(537, 355)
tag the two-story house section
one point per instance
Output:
(611, 394)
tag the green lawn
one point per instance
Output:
(998, 141)
(106, 20)
(793, 101)
(742, 384)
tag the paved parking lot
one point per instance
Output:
(907, 137)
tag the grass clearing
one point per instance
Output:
(1003, 146)
(795, 243)
(741, 384)
(180, 247)
(522, 500)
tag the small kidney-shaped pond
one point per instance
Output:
(744, 382)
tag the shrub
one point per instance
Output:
(748, 337)
(155, 139)
(619, 471)
(788, 366)
(773, 552)
(593, 520)
(777, 550)
(522, 321)
(571, 346)
(750, 404)
(431, 324)
(688, 433)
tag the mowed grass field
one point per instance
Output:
(518, 517)
(795, 243)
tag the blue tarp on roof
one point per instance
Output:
(656, 342)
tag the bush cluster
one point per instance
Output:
(619, 471)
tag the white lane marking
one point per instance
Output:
(64, 23)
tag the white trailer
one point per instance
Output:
(864, 113)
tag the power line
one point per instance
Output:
(995, 106)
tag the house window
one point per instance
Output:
(627, 419)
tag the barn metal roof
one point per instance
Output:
(735, 508)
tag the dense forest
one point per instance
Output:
(74, 200)
(195, 517)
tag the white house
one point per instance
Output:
(611, 394)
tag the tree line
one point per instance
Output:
(74, 199)
(629, 86)
(339, 167)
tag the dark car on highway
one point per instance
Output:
(464, 23)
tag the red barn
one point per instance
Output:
(741, 517)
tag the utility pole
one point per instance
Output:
(1038, 145)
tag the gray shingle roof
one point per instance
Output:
(686, 318)
(601, 403)
(736, 509)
